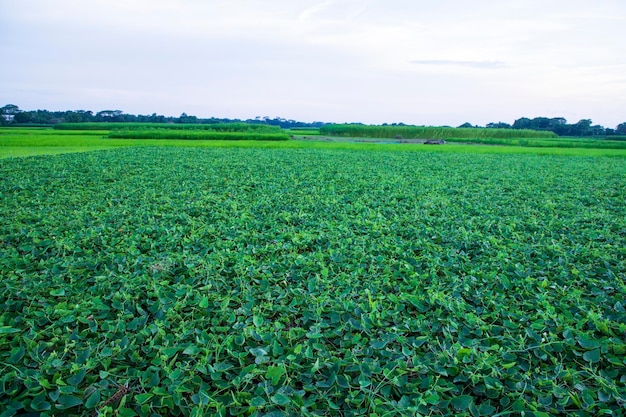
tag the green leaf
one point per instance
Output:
(201, 398)
(379, 344)
(77, 378)
(258, 351)
(257, 402)
(486, 410)
(332, 405)
(58, 292)
(588, 343)
(204, 303)
(461, 402)
(83, 356)
(274, 373)
(432, 398)
(10, 412)
(463, 352)
(93, 400)
(364, 381)
(17, 354)
(420, 340)
(190, 350)
(222, 366)
(280, 399)
(8, 329)
(126, 412)
(143, 398)
(592, 356)
(39, 403)
(68, 401)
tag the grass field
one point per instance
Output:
(44, 141)
(284, 281)
(429, 132)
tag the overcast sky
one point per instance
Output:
(422, 62)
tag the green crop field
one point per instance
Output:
(277, 281)
(17, 142)
(429, 132)
(197, 135)
(216, 127)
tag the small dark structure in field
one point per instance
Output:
(398, 137)
(435, 142)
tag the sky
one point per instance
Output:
(421, 62)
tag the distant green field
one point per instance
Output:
(428, 132)
(255, 135)
(217, 127)
(329, 280)
(556, 142)
(304, 132)
(40, 141)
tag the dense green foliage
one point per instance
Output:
(216, 127)
(196, 134)
(11, 114)
(426, 132)
(559, 125)
(312, 282)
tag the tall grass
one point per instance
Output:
(428, 132)
(196, 135)
(216, 127)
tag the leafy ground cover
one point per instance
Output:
(243, 281)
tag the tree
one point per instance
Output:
(185, 118)
(499, 125)
(72, 117)
(597, 130)
(23, 117)
(109, 116)
(621, 129)
(10, 109)
(540, 123)
(466, 124)
(522, 123)
(8, 112)
(582, 128)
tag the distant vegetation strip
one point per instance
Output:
(216, 127)
(17, 142)
(547, 142)
(305, 132)
(196, 135)
(427, 132)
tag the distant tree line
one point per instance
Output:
(559, 125)
(12, 115)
